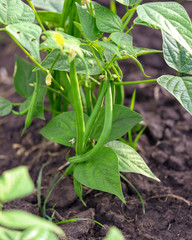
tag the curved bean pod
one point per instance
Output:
(105, 132)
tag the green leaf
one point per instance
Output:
(130, 160)
(51, 18)
(88, 24)
(170, 17)
(15, 183)
(49, 5)
(108, 55)
(5, 107)
(101, 173)
(180, 88)
(62, 41)
(6, 234)
(128, 2)
(123, 120)
(106, 20)
(36, 233)
(58, 39)
(23, 76)
(109, 46)
(63, 64)
(175, 55)
(114, 234)
(27, 34)
(62, 128)
(18, 219)
(124, 41)
(138, 21)
(14, 11)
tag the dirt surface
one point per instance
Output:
(166, 146)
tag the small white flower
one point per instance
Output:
(48, 79)
(72, 141)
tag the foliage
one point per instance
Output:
(17, 224)
(81, 71)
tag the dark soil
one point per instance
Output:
(166, 146)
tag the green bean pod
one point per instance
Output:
(78, 108)
(105, 132)
(119, 94)
(95, 113)
(33, 104)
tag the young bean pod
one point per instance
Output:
(33, 104)
(95, 113)
(105, 132)
(78, 108)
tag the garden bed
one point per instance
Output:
(166, 146)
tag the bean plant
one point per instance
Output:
(74, 48)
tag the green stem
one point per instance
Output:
(131, 13)
(51, 110)
(78, 108)
(16, 104)
(20, 113)
(134, 59)
(28, 54)
(96, 58)
(105, 132)
(113, 6)
(36, 15)
(94, 80)
(130, 138)
(65, 12)
(54, 62)
(112, 60)
(71, 18)
(136, 82)
(56, 91)
(58, 85)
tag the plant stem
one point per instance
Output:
(56, 91)
(16, 104)
(78, 108)
(54, 62)
(96, 58)
(136, 82)
(36, 15)
(65, 12)
(51, 110)
(20, 113)
(134, 59)
(94, 80)
(28, 54)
